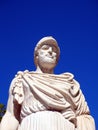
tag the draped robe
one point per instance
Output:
(41, 95)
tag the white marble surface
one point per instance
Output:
(42, 100)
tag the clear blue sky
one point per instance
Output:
(73, 23)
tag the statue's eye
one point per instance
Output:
(55, 49)
(45, 47)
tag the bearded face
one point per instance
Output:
(47, 56)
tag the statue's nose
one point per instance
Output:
(50, 50)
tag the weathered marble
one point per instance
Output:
(42, 100)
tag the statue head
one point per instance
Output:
(46, 41)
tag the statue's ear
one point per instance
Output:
(36, 60)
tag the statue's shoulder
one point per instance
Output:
(18, 76)
(75, 86)
(68, 75)
(18, 79)
(20, 73)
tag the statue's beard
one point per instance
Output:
(47, 62)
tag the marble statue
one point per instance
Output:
(42, 100)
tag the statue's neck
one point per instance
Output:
(44, 70)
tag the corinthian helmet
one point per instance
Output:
(46, 40)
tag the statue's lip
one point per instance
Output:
(50, 56)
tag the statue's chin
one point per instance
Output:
(47, 63)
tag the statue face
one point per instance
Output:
(47, 56)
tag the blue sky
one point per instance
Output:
(73, 23)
